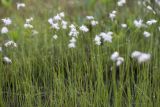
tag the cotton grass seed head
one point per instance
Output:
(138, 23)
(114, 56)
(7, 60)
(89, 17)
(84, 28)
(97, 40)
(144, 58)
(0, 49)
(10, 44)
(7, 21)
(123, 25)
(151, 22)
(4, 30)
(120, 3)
(71, 45)
(146, 34)
(140, 56)
(20, 5)
(55, 37)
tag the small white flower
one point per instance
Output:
(151, 22)
(71, 45)
(20, 5)
(138, 23)
(7, 60)
(84, 28)
(27, 25)
(10, 43)
(55, 37)
(94, 23)
(4, 30)
(146, 34)
(97, 40)
(123, 25)
(7, 21)
(90, 17)
(114, 56)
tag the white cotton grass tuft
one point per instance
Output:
(10, 44)
(73, 40)
(144, 58)
(4, 30)
(55, 37)
(151, 9)
(29, 20)
(55, 26)
(112, 15)
(94, 22)
(7, 60)
(89, 17)
(135, 54)
(20, 5)
(50, 21)
(146, 34)
(0, 49)
(140, 56)
(120, 60)
(116, 58)
(34, 32)
(7, 21)
(158, 2)
(106, 36)
(73, 31)
(58, 22)
(151, 22)
(138, 23)
(27, 25)
(71, 45)
(97, 40)
(120, 3)
(57, 17)
(84, 28)
(64, 24)
(123, 25)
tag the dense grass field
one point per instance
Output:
(80, 53)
